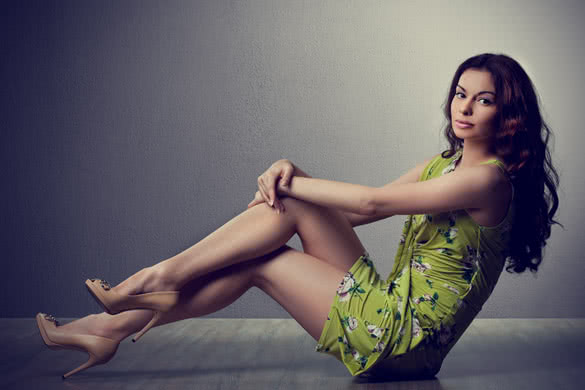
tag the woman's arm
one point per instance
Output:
(480, 186)
(355, 219)
(412, 176)
(472, 187)
(335, 194)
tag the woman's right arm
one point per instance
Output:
(411, 176)
(354, 219)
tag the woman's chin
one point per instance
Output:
(458, 133)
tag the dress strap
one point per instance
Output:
(498, 163)
(502, 167)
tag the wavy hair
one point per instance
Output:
(522, 142)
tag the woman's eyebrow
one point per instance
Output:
(493, 93)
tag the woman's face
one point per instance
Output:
(474, 102)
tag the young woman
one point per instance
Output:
(470, 209)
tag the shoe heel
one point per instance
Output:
(153, 321)
(92, 361)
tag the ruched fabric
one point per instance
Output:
(445, 268)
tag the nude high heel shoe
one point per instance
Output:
(113, 303)
(100, 349)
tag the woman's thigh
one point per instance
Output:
(304, 286)
(325, 233)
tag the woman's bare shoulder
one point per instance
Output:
(501, 195)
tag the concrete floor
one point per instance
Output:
(207, 353)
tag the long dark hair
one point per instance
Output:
(522, 142)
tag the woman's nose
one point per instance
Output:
(465, 107)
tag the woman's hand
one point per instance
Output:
(279, 174)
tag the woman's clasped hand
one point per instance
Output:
(279, 173)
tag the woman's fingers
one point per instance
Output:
(271, 186)
(258, 199)
(282, 170)
(263, 190)
(253, 201)
(267, 187)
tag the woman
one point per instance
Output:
(470, 210)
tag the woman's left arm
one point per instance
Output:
(472, 187)
(354, 198)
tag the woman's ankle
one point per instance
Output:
(119, 326)
(159, 278)
(149, 279)
(106, 325)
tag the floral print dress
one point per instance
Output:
(445, 269)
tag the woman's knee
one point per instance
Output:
(303, 208)
(293, 204)
(308, 213)
(297, 207)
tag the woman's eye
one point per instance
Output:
(487, 101)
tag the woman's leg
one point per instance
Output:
(199, 297)
(328, 241)
(325, 233)
(302, 284)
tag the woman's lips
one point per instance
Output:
(463, 125)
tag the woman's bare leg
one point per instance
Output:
(328, 241)
(302, 284)
(253, 233)
(199, 297)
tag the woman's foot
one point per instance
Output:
(103, 325)
(146, 289)
(99, 349)
(150, 279)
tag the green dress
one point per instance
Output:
(445, 269)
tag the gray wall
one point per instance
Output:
(132, 129)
